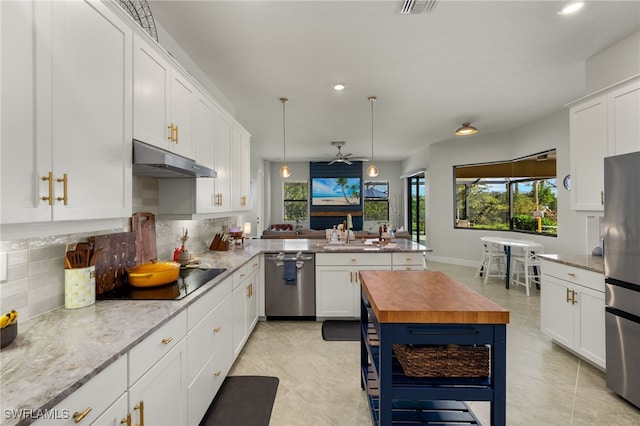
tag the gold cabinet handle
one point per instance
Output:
(176, 139)
(571, 274)
(167, 340)
(126, 420)
(602, 198)
(77, 416)
(64, 181)
(243, 200)
(217, 373)
(217, 329)
(574, 301)
(172, 129)
(248, 292)
(140, 406)
(48, 198)
(568, 295)
(251, 290)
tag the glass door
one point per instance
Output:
(416, 207)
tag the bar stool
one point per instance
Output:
(526, 269)
(493, 256)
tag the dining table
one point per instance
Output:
(508, 244)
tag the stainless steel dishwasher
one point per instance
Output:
(290, 286)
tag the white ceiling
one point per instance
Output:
(496, 64)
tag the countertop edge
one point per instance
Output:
(585, 261)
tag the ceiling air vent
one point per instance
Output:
(414, 7)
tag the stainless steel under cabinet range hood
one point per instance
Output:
(152, 161)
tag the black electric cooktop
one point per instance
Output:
(190, 280)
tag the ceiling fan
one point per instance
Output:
(339, 157)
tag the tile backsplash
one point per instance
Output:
(34, 281)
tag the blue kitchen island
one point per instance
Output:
(429, 309)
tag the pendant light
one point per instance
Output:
(372, 170)
(466, 130)
(285, 171)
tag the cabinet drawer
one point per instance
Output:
(583, 277)
(207, 336)
(151, 349)
(203, 389)
(241, 274)
(330, 259)
(97, 395)
(198, 310)
(253, 265)
(407, 259)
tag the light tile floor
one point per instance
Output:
(320, 381)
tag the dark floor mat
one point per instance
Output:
(243, 400)
(334, 330)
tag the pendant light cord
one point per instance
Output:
(284, 138)
(372, 99)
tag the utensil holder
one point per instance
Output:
(79, 287)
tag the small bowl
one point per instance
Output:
(8, 334)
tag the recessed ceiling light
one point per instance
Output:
(339, 87)
(571, 7)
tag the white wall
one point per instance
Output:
(614, 64)
(577, 232)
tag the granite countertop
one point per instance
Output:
(57, 352)
(582, 261)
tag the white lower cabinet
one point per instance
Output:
(113, 416)
(338, 281)
(160, 396)
(95, 400)
(244, 303)
(158, 376)
(209, 348)
(572, 303)
(414, 261)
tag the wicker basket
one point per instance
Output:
(443, 361)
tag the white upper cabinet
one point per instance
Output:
(624, 120)
(163, 101)
(66, 112)
(588, 147)
(600, 126)
(241, 158)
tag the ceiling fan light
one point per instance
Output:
(372, 171)
(339, 87)
(285, 171)
(466, 130)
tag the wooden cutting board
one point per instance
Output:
(144, 226)
(118, 254)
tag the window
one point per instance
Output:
(296, 200)
(376, 201)
(518, 195)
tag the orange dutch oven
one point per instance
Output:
(153, 274)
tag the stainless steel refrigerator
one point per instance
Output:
(622, 272)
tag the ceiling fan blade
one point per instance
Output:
(332, 162)
(347, 162)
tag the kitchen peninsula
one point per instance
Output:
(59, 355)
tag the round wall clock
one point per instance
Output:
(566, 182)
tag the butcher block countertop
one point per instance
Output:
(428, 297)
